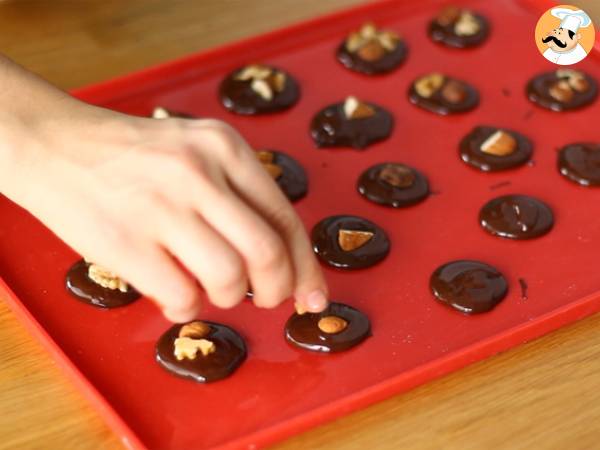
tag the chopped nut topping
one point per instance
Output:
(262, 88)
(454, 91)
(371, 44)
(350, 240)
(332, 324)
(195, 330)
(448, 16)
(254, 72)
(499, 143)
(160, 113)
(355, 109)
(427, 85)
(576, 79)
(299, 309)
(106, 278)
(266, 158)
(466, 25)
(277, 81)
(187, 348)
(264, 80)
(561, 91)
(397, 176)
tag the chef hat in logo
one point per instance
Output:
(572, 20)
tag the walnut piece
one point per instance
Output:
(371, 44)
(397, 176)
(499, 143)
(106, 278)
(355, 109)
(188, 348)
(427, 85)
(196, 330)
(350, 240)
(263, 80)
(466, 25)
(332, 324)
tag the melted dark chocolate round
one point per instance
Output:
(302, 330)
(331, 128)
(393, 184)
(388, 62)
(326, 245)
(538, 91)
(230, 353)
(580, 163)
(470, 287)
(438, 104)
(82, 287)
(293, 180)
(445, 34)
(471, 153)
(238, 96)
(516, 217)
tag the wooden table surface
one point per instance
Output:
(542, 395)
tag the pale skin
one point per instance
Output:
(175, 207)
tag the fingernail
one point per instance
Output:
(181, 316)
(316, 301)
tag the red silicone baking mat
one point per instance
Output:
(280, 391)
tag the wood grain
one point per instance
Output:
(543, 395)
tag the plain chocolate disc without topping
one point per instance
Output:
(393, 184)
(331, 128)
(82, 287)
(239, 97)
(446, 35)
(388, 62)
(302, 330)
(471, 153)
(436, 103)
(229, 354)
(293, 180)
(538, 91)
(325, 242)
(470, 287)
(516, 217)
(580, 163)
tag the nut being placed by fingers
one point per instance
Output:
(274, 170)
(106, 278)
(499, 144)
(350, 240)
(300, 309)
(427, 85)
(188, 348)
(332, 324)
(355, 109)
(266, 158)
(195, 330)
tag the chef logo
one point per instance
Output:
(565, 35)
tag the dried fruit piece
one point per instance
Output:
(427, 85)
(454, 91)
(188, 348)
(499, 144)
(195, 330)
(448, 16)
(371, 51)
(160, 113)
(466, 25)
(106, 278)
(332, 324)
(397, 176)
(350, 240)
(355, 109)
(561, 91)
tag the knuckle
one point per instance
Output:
(286, 219)
(270, 253)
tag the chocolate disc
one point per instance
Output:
(82, 287)
(331, 128)
(439, 104)
(393, 184)
(471, 150)
(444, 33)
(580, 163)
(302, 330)
(293, 180)
(388, 62)
(469, 286)
(325, 238)
(229, 354)
(538, 91)
(516, 217)
(239, 97)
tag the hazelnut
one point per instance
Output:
(188, 348)
(332, 324)
(466, 25)
(273, 169)
(397, 176)
(355, 109)
(106, 278)
(499, 143)
(262, 88)
(454, 91)
(265, 156)
(561, 91)
(160, 113)
(448, 16)
(371, 51)
(350, 240)
(196, 330)
(427, 85)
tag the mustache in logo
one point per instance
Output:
(556, 41)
